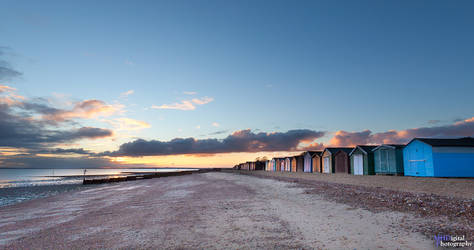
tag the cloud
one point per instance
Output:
(239, 141)
(57, 151)
(9, 96)
(129, 124)
(314, 146)
(4, 88)
(434, 121)
(185, 104)
(81, 133)
(20, 130)
(219, 132)
(26, 123)
(59, 162)
(83, 109)
(127, 93)
(6, 71)
(457, 129)
(215, 124)
(189, 93)
(202, 101)
(343, 138)
(70, 151)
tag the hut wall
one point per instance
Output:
(293, 164)
(299, 164)
(288, 164)
(388, 161)
(327, 162)
(453, 161)
(418, 160)
(368, 162)
(317, 164)
(342, 162)
(278, 165)
(421, 159)
(307, 163)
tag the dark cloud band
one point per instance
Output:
(240, 141)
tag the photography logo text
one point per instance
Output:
(452, 241)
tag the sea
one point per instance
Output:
(17, 185)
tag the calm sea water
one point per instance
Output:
(36, 177)
(18, 185)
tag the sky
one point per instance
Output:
(87, 84)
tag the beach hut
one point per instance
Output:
(259, 165)
(293, 163)
(328, 159)
(388, 159)
(282, 164)
(277, 164)
(342, 161)
(308, 161)
(362, 160)
(299, 163)
(288, 164)
(273, 164)
(439, 157)
(317, 162)
(247, 165)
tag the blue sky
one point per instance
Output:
(266, 65)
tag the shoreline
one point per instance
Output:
(14, 195)
(11, 195)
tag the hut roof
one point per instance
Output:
(364, 148)
(313, 153)
(335, 150)
(394, 146)
(459, 142)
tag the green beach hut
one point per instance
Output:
(362, 160)
(388, 159)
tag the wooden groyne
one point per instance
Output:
(145, 175)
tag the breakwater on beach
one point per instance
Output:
(133, 176)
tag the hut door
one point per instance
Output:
(358, 165)
(384, 160)
(326, 165)
(419, 162)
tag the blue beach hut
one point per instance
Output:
(439, 157)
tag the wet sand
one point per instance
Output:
(201, 211)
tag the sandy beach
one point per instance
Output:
(211, 210)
